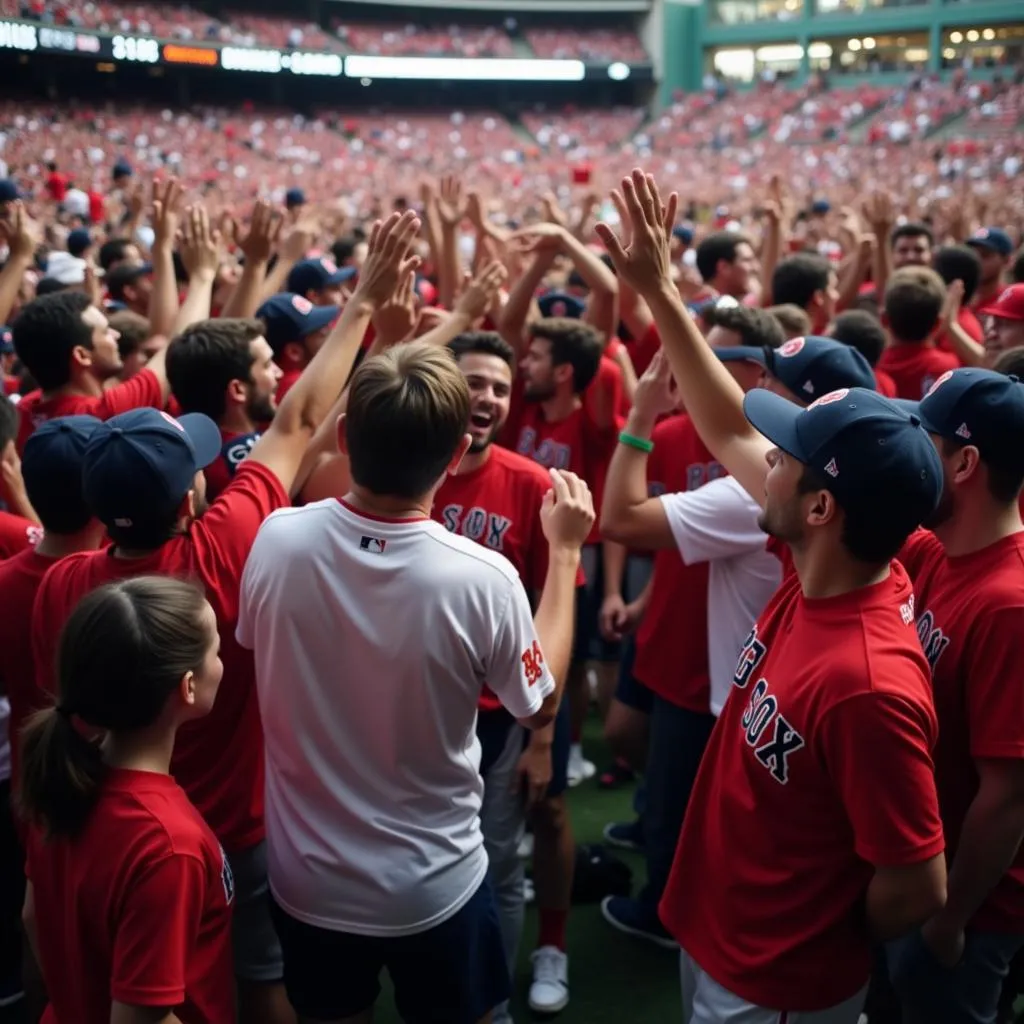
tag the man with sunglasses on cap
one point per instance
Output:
(968, 575)
(803, 842)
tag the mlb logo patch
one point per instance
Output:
(375, 545)
(791, 347)
(302, 304)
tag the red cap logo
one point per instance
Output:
(303, 305)
(938, 383)
(791, 347)
(832, 396)
(173, 422)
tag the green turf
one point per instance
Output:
(612, 978)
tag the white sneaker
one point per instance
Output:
(580, 769)
(525, 849)
(549, 992)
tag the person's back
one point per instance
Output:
(388, 630)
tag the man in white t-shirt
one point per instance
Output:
(374, 630)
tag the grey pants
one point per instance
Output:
(503, 824)
(965, 994)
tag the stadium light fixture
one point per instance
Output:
(618, 72)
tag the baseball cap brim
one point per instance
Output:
(749, 353)
(341, 275)
(776, 418)
(204, 435)
(1000, 313)
(319, 316)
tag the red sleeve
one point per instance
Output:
(888, 785)
(995, 709)
(644, 349)
(144, 389)
(16, 534)
(223, 537)
(48, 614)
(156, 932)
(917, 551)
(885, 384)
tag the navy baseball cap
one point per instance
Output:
(6, 340)
(122, 169)
(139, 465)
(561, 304)
(811, 367)
(318, 274)
(291, 318)
(992, 238)
(684, 232)
(78, 241)
(8, 190)
(864, 445)
(294, 197)
(980, 408)
(52, 469)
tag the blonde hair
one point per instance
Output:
(408, 409)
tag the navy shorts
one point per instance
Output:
(454, 973)
(629, 690)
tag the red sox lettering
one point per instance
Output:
(477, 524)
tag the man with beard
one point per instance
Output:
(494, 498)
(143, 479)
(67, 345)
(225, 369)
(968, 576)
(828, 838)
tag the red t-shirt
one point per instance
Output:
(286, 383)
(57, 185)
(17, 534)
(672, 641)
(137, 908)
(498, 506)
(576, 443)
(97, 207)
(818, 771)
(217, 759)
(11, 384)
(970, 621)
(884, 384)
(969, 324)
(20, 577)
(915, 368)
(234, 450)
(142, 390)
(643, 349)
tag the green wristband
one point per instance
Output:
(636, 442)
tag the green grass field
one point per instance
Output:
(612, 978)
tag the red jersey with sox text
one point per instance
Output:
(818, 771)
(672, 640)
(218, 760)
(970, 621)
(498, 506)
(914, 368)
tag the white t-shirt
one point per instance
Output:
(717, 523)
(372, 640)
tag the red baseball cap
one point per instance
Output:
(1009, 305)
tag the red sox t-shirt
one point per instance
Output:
(914, 368)
(498, 506)
(970, 621)
(818, 771)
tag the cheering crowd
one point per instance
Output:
(324, 526)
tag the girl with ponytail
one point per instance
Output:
(128, 902)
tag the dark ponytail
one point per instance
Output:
(121, 654)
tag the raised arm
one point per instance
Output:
(711, 397)
(283, 447)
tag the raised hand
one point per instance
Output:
(656, 392)
(395, 319)
(166, 212)
(478, 298)
(21, 233)
(451, 204)
(199, 244)
(553, 213)
(646, 264)
(567, 513)
(260, 240)
(545, 237)
(388, 261)
(299, 239)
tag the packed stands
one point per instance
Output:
(422, 41)
(919, 109)
(582, 134)
(998, 117)
(585, 44)
(826, 115)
